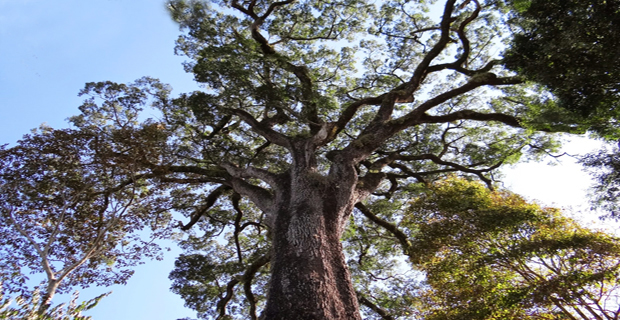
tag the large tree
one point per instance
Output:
(311, 109)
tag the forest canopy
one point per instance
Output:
(328, 138)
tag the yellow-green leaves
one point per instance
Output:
(492, 255)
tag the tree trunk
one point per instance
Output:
(310, 279)
(46, 298)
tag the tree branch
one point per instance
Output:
(42, 254)
(221, 305)
(463, 37)
(210, 201)
(261, 197)
(391, 228)
(248, 276)
(380, 311)
(252, 172)
(237, 224)
(262, 129)
(471, 115)
(421, 70)
(301, 72)
(349, 112)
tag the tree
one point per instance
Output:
(69, 212)
(28, 308)
(490, 255)
(312, 109)
(605, 166)
(570, 47)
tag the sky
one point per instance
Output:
(50, 49)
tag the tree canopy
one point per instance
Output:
(490, 255)
(571, 48)
(317, 123)
(69, 212)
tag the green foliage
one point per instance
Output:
(212, 276)
(491, 255)
(571, 48)
(604, 165)
(27, 307)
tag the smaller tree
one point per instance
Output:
(491, 255)
(604, 165)
(27, 308)
(70, 212)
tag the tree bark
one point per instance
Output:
(46, 299)
(310, 279)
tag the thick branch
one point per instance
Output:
(301, 72)
(252, 172)
(463, 37)
(262, 198)
(210, 201)
(421, 70)
(480, 80)
(391, 228)
(262, 129)
(461, 69)
(221, 305)
(249, 11)
(471, 115)
(369, 183)
(248, 276)
(350, 111)
(237, 223)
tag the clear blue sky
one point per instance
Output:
(49, 49)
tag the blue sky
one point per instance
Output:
(49, 49)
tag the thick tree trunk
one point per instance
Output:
(310, 278)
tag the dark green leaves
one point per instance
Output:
(571, 47)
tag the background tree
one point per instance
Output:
(70, 212)
(27, 308)
(570, 47)
(489, 255)
(604, 165)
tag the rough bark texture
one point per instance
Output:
(310, 277)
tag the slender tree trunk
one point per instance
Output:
(310, 278)
(46, 298)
